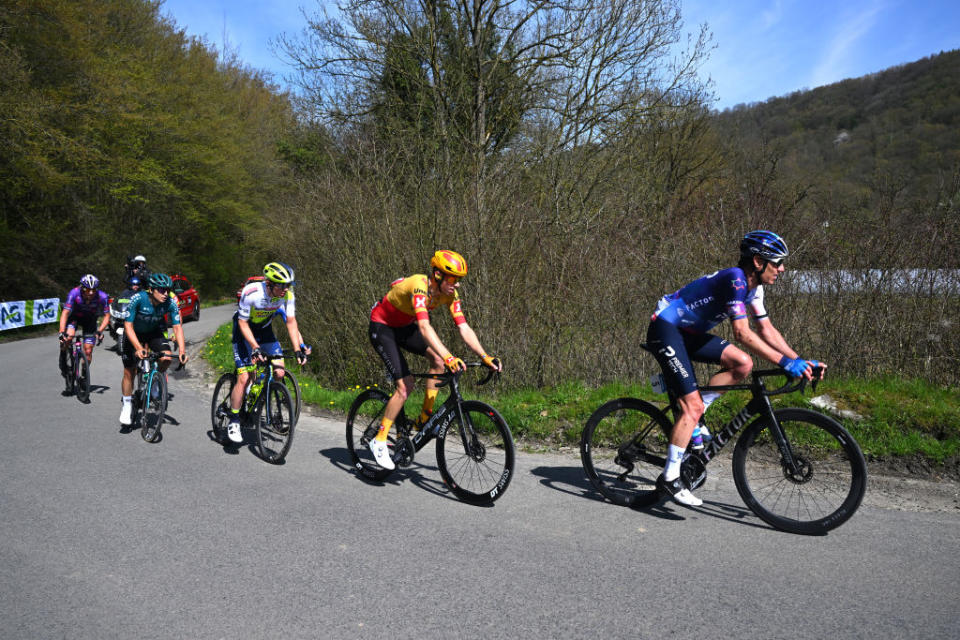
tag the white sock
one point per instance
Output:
(671, 471)
(127, 399)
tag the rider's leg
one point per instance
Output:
(430, 394)
(88, 349)
(126, 394)
(691, 408)
(735, 365)
(394, 407)
(236, 395)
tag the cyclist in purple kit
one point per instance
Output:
(677, 335)
(84, 305)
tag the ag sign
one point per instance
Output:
(21, 313)
(13, 314)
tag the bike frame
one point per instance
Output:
(436, 426)
(440, 421)
(145, 377)
(758, 406)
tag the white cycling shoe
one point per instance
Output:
(126, 414)
(675, 489)
(233, 432)
(381, 452)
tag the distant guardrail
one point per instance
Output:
(920, 282)
(22, 313)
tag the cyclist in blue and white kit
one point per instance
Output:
(253, 337)
(143, 330)
(678, 335)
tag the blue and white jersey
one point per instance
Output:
(708, 301)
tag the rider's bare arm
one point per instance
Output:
(431, 337)
(772, 336)
(296, 339)
(247, 333)
(131, 335)
(755, 344)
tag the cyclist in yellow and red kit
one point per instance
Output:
(401, 320)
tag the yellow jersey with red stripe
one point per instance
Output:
(409, 299)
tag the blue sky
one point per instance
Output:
(764, 48)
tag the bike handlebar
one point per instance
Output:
(448, 376)
(792, 384)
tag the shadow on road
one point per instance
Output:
(340, 457)
(572, 481)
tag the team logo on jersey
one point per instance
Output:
(419, 302)
(738, 284)
(456, 306)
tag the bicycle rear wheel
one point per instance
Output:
(154, 407)
(476, 455)
(81, 376)
(220, 406)
(623, 449)
(363, 422)
(275, 422)
(822, 492)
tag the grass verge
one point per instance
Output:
(899, 418)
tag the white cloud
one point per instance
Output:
(771, 15)
(838, 59)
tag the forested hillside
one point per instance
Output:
(121, 135)
(872, 149)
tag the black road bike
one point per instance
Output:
(150, 396)
(798, 470)
(75, 367)
(475, 453)
(268, 408)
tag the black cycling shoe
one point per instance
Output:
(676, 490)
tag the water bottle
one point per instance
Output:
(696, 440)
(253, 389)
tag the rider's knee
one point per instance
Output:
(692, 405)
(404, 386)
(740, 365)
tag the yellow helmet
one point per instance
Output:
(449, 262)
(279, 273)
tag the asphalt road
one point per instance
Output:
(105, 536)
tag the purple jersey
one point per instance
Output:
(81, 308)
(708, 301)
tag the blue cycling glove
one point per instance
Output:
(794, 366)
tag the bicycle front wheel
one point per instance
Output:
(81, 376)
(363, 422)
(290, 382)
(819, 492)
(475, 455)
(154, 405)
(623, 449)
(220, 406)
(275, 423)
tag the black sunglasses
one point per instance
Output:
(162, 289)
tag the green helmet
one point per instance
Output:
(279, 273)
(160, 281)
